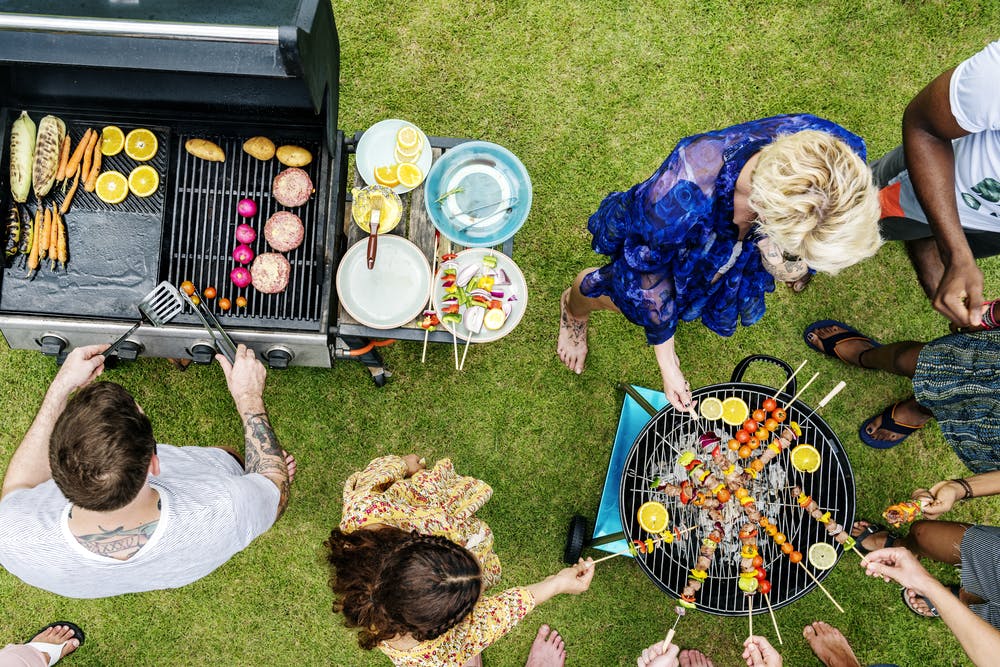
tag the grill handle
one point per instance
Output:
(741, 369)
(638, 398)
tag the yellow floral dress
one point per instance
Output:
(438, 501)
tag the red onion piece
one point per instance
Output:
(245, 234)
(247, 208)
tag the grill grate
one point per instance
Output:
(200, 230)
(655, 453)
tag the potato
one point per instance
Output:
(205, 150)
(294, 156)
(261, 148)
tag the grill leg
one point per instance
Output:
(371, 359)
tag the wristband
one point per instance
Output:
(964, 485)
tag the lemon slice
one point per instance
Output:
(112, 140)
(143, 181)
(653, 517)
(822, 556)
(140, 144)
(410, 175)
(711, 408)
(408, 139)
(112, 187)
(806, 458)
(734, 411)
(386, 175)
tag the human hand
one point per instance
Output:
(245, 376)
(81, 367)
(900, 565)
(575, 579)
(758, 652)
(939, 499)
(413, 464)
(659, 655)
(959, 295)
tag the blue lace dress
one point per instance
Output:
(668, 236)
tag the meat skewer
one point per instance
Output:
(795, 556)
(675, 534)
(837, 531)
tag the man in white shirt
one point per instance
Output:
(943, 198)
(92, 506)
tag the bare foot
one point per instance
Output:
(692, 658)
(58, 635)
(290, 462)
(908, 412)
(849, 351)
(474, 661)
(548, 649)
(830, 645)
(572, 347)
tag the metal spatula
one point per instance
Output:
(159, 307)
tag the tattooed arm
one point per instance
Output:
(263, 454)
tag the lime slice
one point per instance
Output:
(806, 458)
(653, 517)
(734, 411)
(711, 408)
(822, 556)
(494, 319)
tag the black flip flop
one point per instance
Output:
(869, 530)
(828, 346)
(930, 607)
(889, 424)
(78, 634)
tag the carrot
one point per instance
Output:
(72, 191)
(54, 238)
(88, 157)
(43, 234)
(91, 183)
(61, 253)
(74, 161)
(63, 159)
(33, 256)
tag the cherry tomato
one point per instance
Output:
(753, 443)
(770, 404)
(187, 287)
(795, 556)
(779, 538)
(225, 304)
(787, 548)
(742, 437)
(770, 424)
(195, 300)
(749, 426)
(764, 587)
(771, 529)
(209, 293)
(742, 493)
(762, 434)
(723, 496)
(780, 415)
(759, 415)
(241, 302)
(745, 452)
(760, 574)
(758, 561)
(733, 444)
(757, 465)
(763, 522)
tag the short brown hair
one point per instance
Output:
(101, 447)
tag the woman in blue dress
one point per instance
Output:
(706, 235)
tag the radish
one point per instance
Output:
(241, 276)
(247, 208)
(243, 254)
(245, 234)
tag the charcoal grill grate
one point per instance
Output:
(655, 453)
(200, 233)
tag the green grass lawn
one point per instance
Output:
(591, 96)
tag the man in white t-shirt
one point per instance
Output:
(943, 197)
(92, 506)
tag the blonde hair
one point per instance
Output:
(815, 199)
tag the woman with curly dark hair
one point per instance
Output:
(410, 565)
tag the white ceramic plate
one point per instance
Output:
(376, 149)
(389, 295)
(518, 288)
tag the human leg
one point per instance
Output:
(894, 424)
(926, 261)
(548, 649)
(830, 645)
(856, 349)
(575, 310)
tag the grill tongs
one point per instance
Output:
(222, 341)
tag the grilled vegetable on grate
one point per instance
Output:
(22, 153)
(294, 156)
(63, 158)
(261, 148)
(48, 145)
(205, 150)
(13, 232)
(68, 199)
(77, 157)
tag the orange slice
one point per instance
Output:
(653, 517)
(143, 181)
(112, 187)
(112, 140)
(387, 175)
(140, 144)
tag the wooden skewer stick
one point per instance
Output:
(670, 635)
(815, 375)
(454, 343)
(656, 542)
(773, 619)
(825, 592)
(790, 378)
(430, 296)
(826, 399)
(750, 613)
(860, 555)
(468, 340)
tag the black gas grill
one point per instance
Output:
(223, 72)
(654, 456)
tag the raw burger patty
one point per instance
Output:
(292, 187)
(284, 231)
(270, 272)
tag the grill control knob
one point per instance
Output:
(278, 356)
(202, 353)
(129, 350)
(54, 345)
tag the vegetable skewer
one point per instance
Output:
(670, 635)
(834, 529)
(794, 398)
(790, 378)
(774, 620)
(430, 295)
(659, 541)
(794, 556)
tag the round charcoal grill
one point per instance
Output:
(654, 455)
